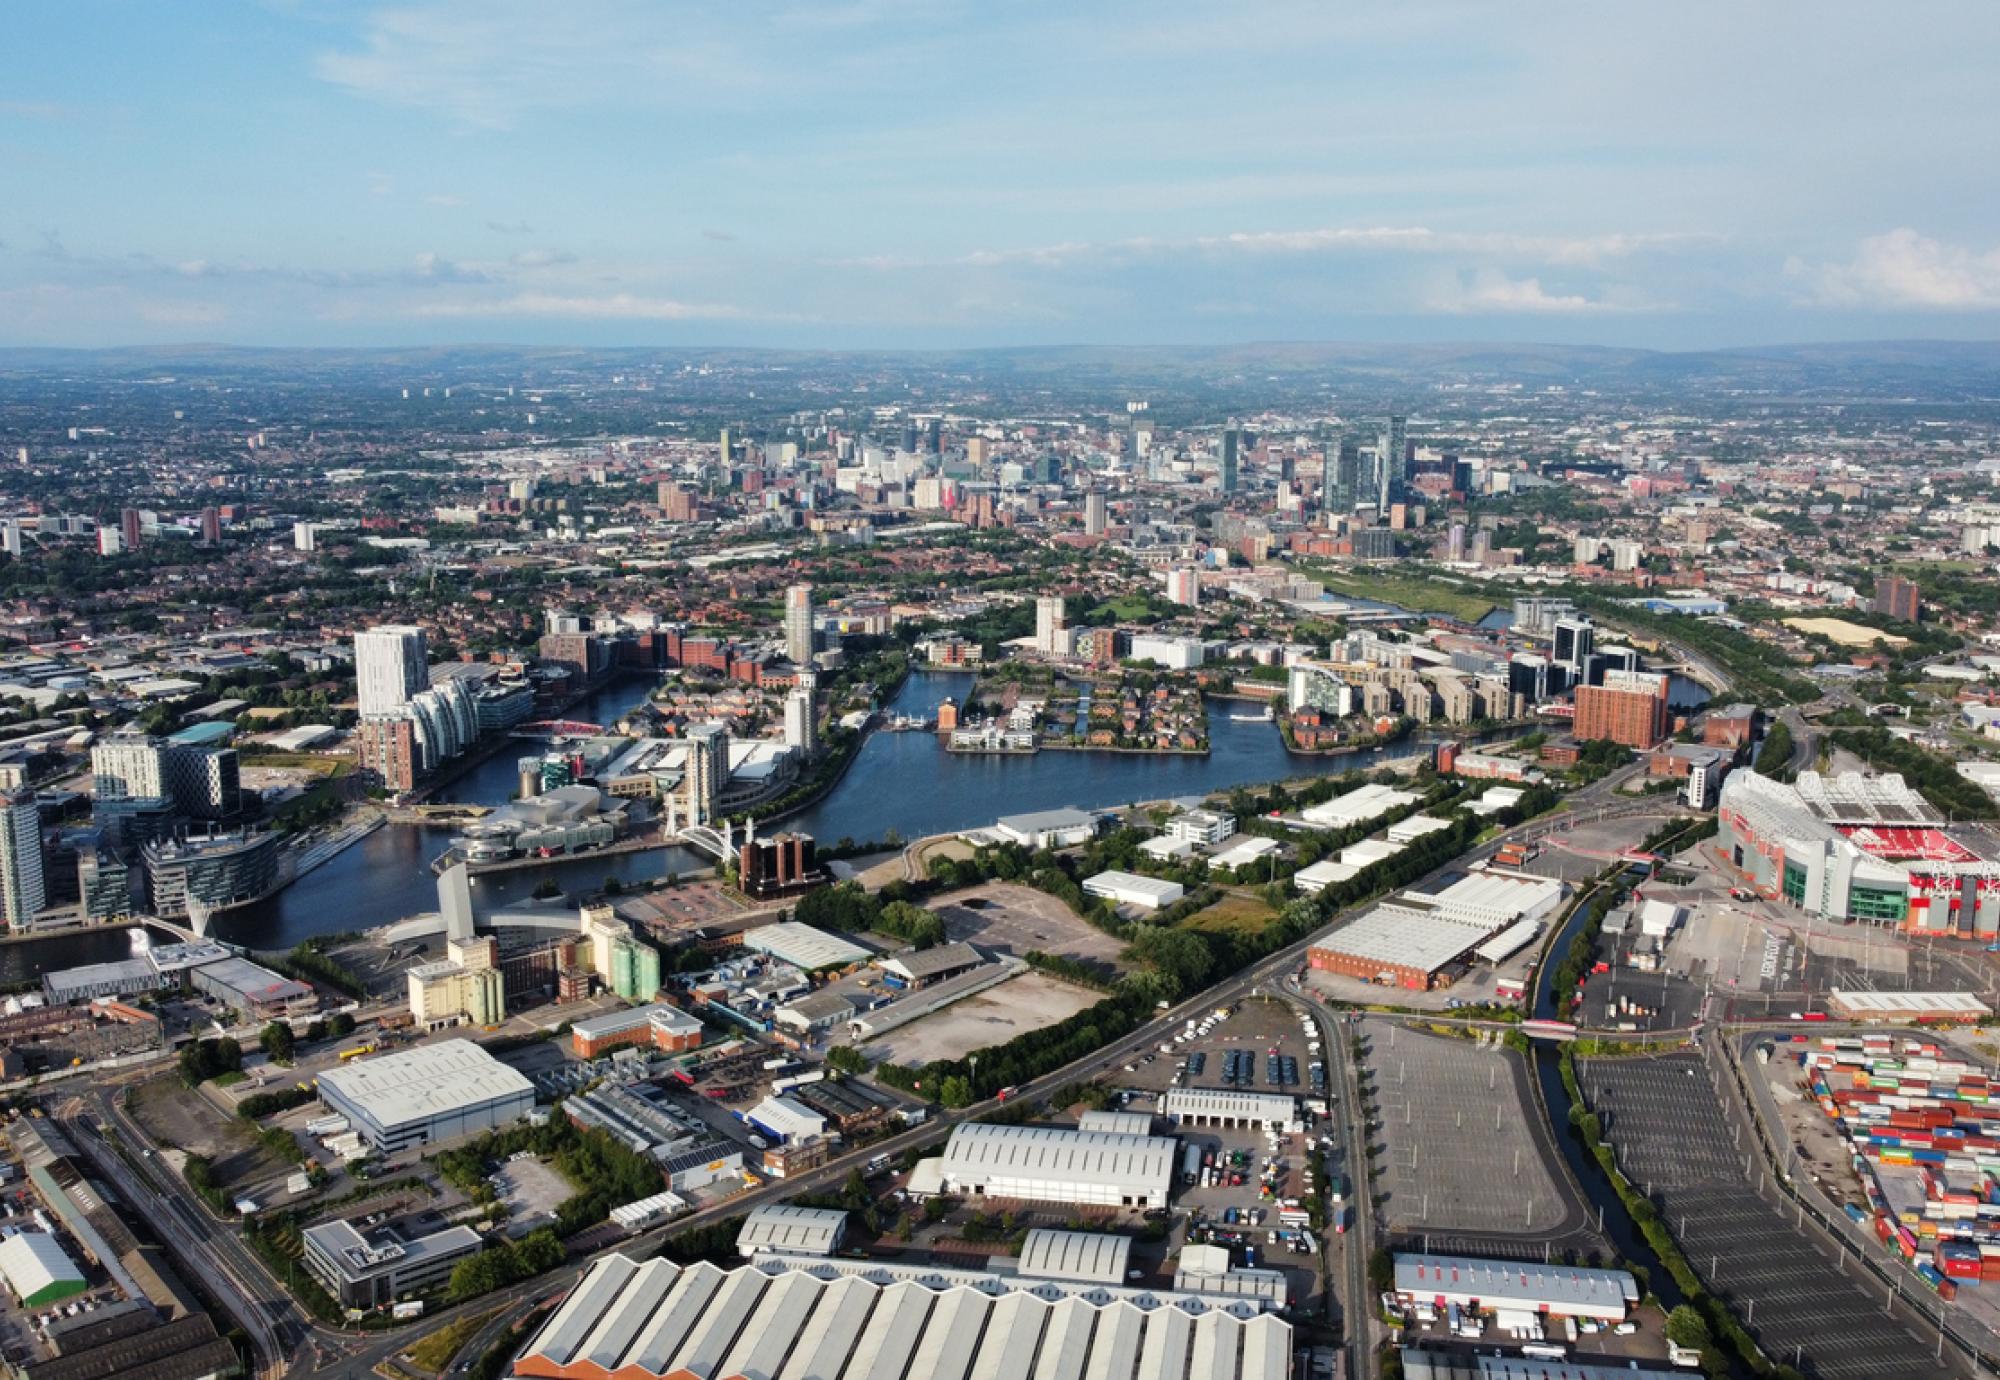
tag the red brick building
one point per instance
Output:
(1630, 709)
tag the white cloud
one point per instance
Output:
(621, 306)
(1490, 290)
(1906, 269)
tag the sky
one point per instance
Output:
(926, 173)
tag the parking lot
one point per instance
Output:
(1462, 1157)
(1674, 1143)
(1014, 919)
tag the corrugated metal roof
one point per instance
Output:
(1267, 1350)
(829, 1334)
(1090, 1256)
(977, 1152)
(1217, 1337)
(767, 1337)
(1513, 1281)
(620, 1323)
(428, 1081)
(1163, 1354)
(1115, 1351)
(1118, 1123)
(1012, 1336)
(1246, 1106)
(944, 958)
(1066, 1341)
(894, 1328)
(33, 1260)
(719, 1323)
(949, 1341)
(675, 1318)
(794, 1230)
(563, 1334)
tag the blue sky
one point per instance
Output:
(883, 173)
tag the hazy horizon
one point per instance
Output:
(883, 174)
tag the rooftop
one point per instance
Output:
(430, 1080)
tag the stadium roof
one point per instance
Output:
(977, 1151)
(428, 1081)
(1089, 1256)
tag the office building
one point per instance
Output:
(778, 866)
(186, 877)
(1898, 598)
(390, 667)
(1342, 484)
(799, 625)
(385, 1263)
(1094, 514)
(1051, 627)
(1045, 1164)
(1629, 708)
(1232, 444)
(1375, 544)
(426, 1095)
(1576, 638)
(659, 1026)
(1392, 453)
(23, 888)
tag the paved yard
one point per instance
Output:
(993, 1017)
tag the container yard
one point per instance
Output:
(1921, 1125)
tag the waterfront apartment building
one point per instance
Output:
(390, 667)
(799, 625)
(1630, 709)
(23, 889)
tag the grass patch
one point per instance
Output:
(435, 1351)
(1418, 593)
(229, 1079)
(296, 761)
(1127, 607)
(1233, 914)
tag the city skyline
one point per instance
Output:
(887, 175)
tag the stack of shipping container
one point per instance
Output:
(1911, 1106)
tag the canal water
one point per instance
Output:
(1597, 1191)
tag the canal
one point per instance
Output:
(1588, 1174)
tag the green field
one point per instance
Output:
(1418, 593)
(1233, 913)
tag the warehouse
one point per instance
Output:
(1420, 1364)
(1567, 1291)
(1131, 889)
(1202, 1269)
(1367, 802)
(922, 967)
(37, 1270)
(425, 1095)
(803, 947)
(121, 978)
(1492, 899)
(1043, 1164)
(1311, 881)
(1904, 1007)
(1227, 1108)
(1118, 1123)
(252, 990)
(1047, 828)
(785, 1118)
(1395, 945)
(786, 1319)
(783, 1229)
(1087, 1257)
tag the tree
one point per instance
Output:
(847, 1059)
(955, 1091)
(1686, 1327)
(276, 1040)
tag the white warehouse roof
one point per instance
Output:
(1262, 1109)
(1367, 802)
(33, 1261)
(802, 946)
(1565, 1290)
(1090, 1257)
(1130, 888)
(428, 1081)
(1403, 937)
(978, 1153)
(790, 1230)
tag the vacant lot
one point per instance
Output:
(993, 1017)
(1234, 913)
(175, 1118)
(1012, 919)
